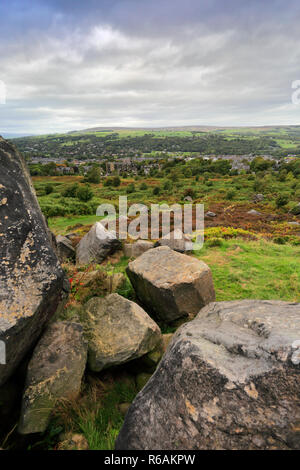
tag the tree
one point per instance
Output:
(116, 181)
(84, 193)
(93, 175)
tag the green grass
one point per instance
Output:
(62, 225)
(254, 270)
(96, 414)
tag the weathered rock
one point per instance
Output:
(73, 442)
(54, 372)
(133, 250)
(114, 282)
(258, 198)
(253, 212)
(96, 245)
(210, 214)
(65, 248)
(229, 380)
(118, 330)
(32, 283)
(177, 241)
(170, 284)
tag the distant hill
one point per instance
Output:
(185, 128)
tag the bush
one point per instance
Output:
(93, 176)
(48, 189)
(84, 193)
(156, 191)
(130, 188)
(189, 192)
(71, 190)
(214, 242)
(116, 181)
(281, 200)
(230, 195)
(143, 187)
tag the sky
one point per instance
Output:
(70, 64)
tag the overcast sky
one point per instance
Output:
(70, 64)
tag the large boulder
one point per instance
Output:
(96, 245)
(177, 241)
(55, 372)
(229, 380)
(118, 331)
(170, 284)
(32, 282)
(65, 248)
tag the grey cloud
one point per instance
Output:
(186, 65)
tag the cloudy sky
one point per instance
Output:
(73, 64)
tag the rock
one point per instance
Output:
(96, 245)
(142, 379)
(177, 241)
(114, 282)
(73, 442)
(293, 223)
(64, 248)
(188, 199)
(229, 380)
(170, 284)
(296, 209)
(119, 331)
(258, 198)
(133, 250)
(210, 214)
(253, 212)
(32, 282)
(166, 339)
(123, 408)
(55, 372)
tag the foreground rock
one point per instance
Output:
(133, 250)
(96, 245)
(177, 241)
(170, 284)
(54, 372)
(64, 248)
(119, 331)
(32, 283)
(229, 380)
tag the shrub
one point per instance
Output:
(143, 187)
(130, 188)
(48, 189)
(116, 181)
(156, 191)
(214, 242)
(84, 193)
(189, 192)
(93, 176)
(230, 194)
(71, 190)
(281, 200)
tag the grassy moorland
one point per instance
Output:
(251, 256)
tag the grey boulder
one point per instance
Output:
(65, 248)
(177, 241)
(32, 282)
(96, 245)
(118, 331)
(55, 372)
(133, 250)
(229, 380)
(170, 284)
